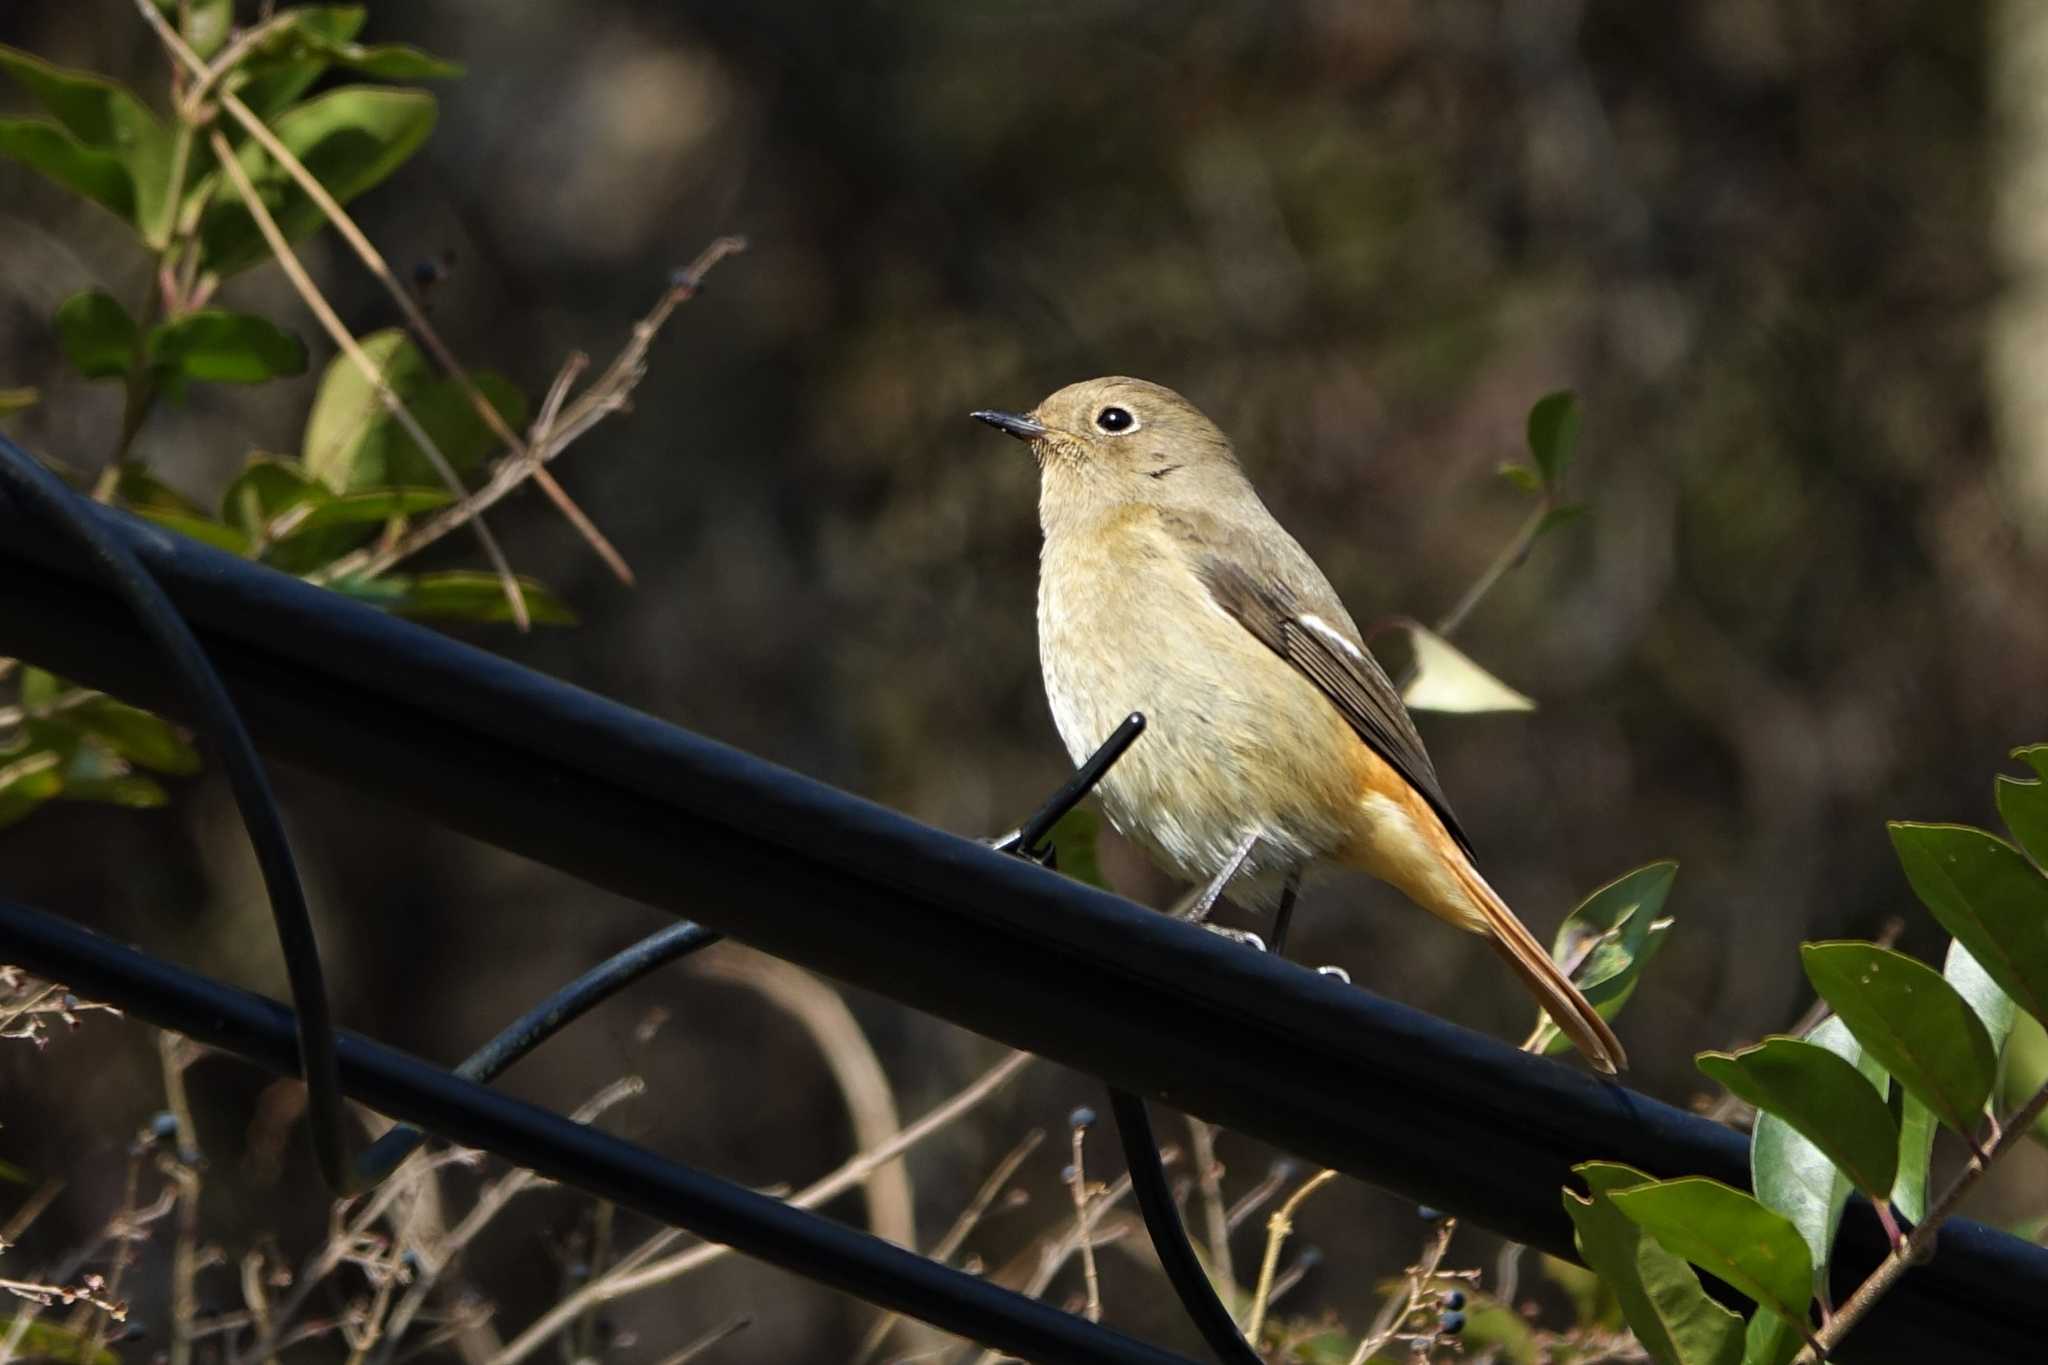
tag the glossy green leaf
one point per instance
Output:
(1917, 1126)
(1553, 435)
(98, 336)
(1446, 679)
(1989, 897)
(205, 24)
(1826, 1098)
(2023, 803)
(265, 490)
(102, 116)
(58, 157)
(27, 782)
(353, 444)
(460, 595)
(2025, 1070)
(1913, 1022)
(1794, 1176)
(1728, 1234)
(1770, 1340)
(1661, 1299)
(1074, 844)
(385, 61)
(1607, 941)
(138, 736)
(350, 139)
(203, 529)
(219, 347)
(285, 67)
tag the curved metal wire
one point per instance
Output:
(40, 491)
(543, 1022)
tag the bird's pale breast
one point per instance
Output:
(1236, 740)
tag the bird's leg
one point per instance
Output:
(1285, 914)
(1213, 892)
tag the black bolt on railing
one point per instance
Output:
(1154, 1007)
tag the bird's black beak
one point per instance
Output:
(1015, 423)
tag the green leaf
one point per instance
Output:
(140, 490)
(1446, 679)
(460, 595)
(98, 336)
(226, 348)
(203, 529)
(1794, 1176)
(27, 782)
(1826, 1098)
(2026, 1069)
(375, 505)
(1661, 1299)
(1607, 942)
(1522, 477)
(1770, 1340)
(1986, 894)
(385, 61)
(353, 444)
(138, 736)
(104, 117)
(266, 489)
(18, 400)
(1914, 1023)
(1553, 433)
(127, 789)
(1728, 1234)
(1916, 1122)
(206, 23)
(2023, 803)
(1073, 843)
(1562, 515)
(285, 67)
(349, 139)
(64, 160)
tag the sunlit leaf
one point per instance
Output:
(2026, 1069)
(138, 736)
(1728, 1234)
(1989, 897)
(1446, 679)
(1661, 1299)
(1794, 1176)
(203, 529)
(1553, 435)
(2023, 803)
(1770, 1340)
(204, 23)
(229, 348)
(1913, 1022)
(27, 782)
(376, 505)
(349, 139)
(1607, 942)
(353, 444)
(1831, 1103)
(98, 336)
(1522, 477)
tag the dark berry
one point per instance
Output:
(1452, 1324)
(164, 1127)
(1455, 1300)
(1083, 1117)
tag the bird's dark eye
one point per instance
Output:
(1115, 419)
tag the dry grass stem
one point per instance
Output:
(639, 1270)
(1215, 1215)
(379, 267)
(374, 377)
(1277, 1228)
(1077, 1185)
(607, 394)
(710, 1339)
(1386, 1327)
(956, 1236)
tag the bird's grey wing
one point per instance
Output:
(1324, 651)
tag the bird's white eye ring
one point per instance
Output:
(1116, 421)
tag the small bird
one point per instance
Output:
(1274, 740)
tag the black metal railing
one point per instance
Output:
(1154, 1007)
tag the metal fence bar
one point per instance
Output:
(1335, 1074)
(575, 1154)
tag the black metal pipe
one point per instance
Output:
(1389, 1094)
(575, 1154)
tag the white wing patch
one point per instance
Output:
(1330, 633)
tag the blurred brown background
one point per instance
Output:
(1785, 254)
